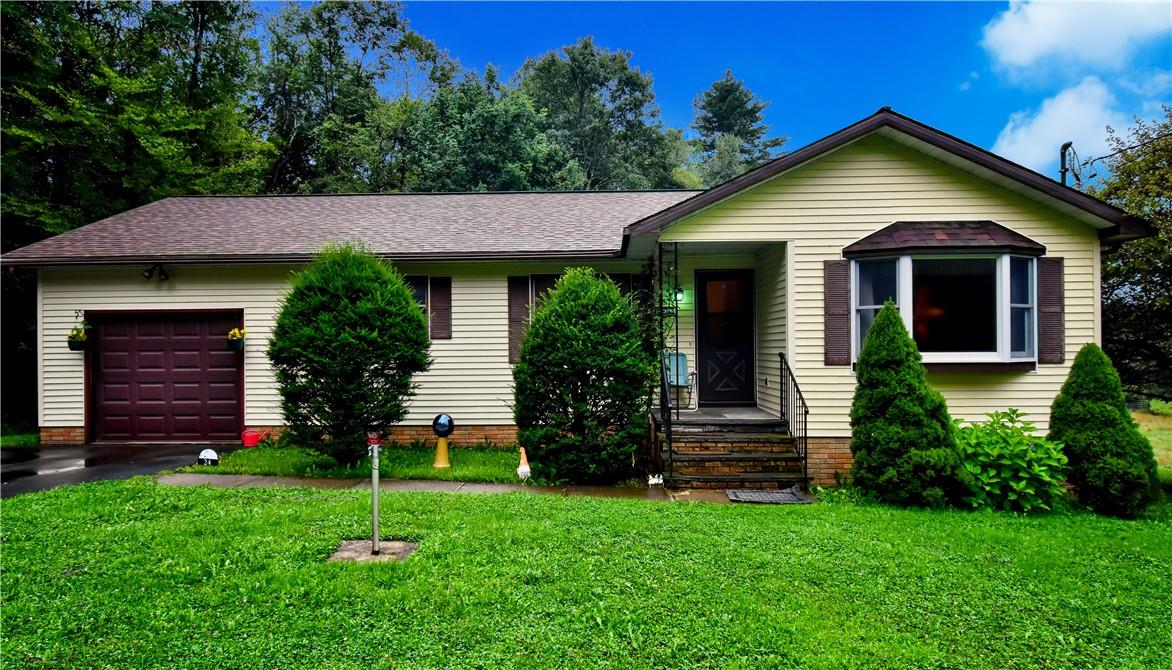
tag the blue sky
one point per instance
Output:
(1018, 79)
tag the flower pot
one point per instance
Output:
(236, 345)
(76, 345)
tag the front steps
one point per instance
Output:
(754, 456)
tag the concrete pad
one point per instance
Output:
(358, 551)
(412, 485)
(308, 482)
(700, 495)
(474, 487)
(218, 481)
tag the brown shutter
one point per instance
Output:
(441, 308)
(1051, 330)
(837, 325)
(518, 314)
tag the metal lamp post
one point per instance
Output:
(373, 443)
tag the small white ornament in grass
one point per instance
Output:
(523, 470)
(655, 480)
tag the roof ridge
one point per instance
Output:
(429, 193)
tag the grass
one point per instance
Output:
(134, 574)
(14, 436)
(469, 464)
(1158, 429)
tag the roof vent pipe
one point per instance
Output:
(1063, 169)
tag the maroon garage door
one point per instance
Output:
(166, 376)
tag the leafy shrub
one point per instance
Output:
(1160, 407)
(901, 435)
(581, 383)
(348, 340)
(1112, 465)
(1012, 469)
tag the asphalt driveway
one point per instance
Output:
(24, 470)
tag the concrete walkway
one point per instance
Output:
(412, 485)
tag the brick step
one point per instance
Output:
(735, 456)
(771, 428)
(773, 444)
(748, 480)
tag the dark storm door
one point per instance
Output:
(166, 377)
(724, 334)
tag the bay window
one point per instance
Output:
(962, 308)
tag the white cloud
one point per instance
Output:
(1101, 35)
(1079, 114)
(969, 81)
(1157, 83)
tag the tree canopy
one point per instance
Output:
(1137, 277)
(728, 108)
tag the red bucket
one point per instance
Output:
(250, 438)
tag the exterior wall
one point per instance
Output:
(470, 378)
(771, 332)
(829, 203)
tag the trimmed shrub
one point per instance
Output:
(582, 382)
(1160, 407)
(1112, 465)
(1012, 468)
(348, 340)
(901, 435)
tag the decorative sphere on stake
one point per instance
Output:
(443, 425)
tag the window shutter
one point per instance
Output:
(1051, 329)
(623, 280)
(837, 324)
(441, 308)
(518, 314)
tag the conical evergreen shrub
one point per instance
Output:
(1112, 465)
(902, 438)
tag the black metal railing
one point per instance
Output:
(796, 414)
(665, 417)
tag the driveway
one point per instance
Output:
(24, 470)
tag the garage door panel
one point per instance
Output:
(166, 376)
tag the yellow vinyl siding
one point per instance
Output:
(470, 376)
(858, 189)
(771, 332)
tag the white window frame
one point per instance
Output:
(904, 288)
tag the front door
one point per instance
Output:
(724, 334)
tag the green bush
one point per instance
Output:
(1160, 407)
(1012, 468)
(901, 435)
(582, 382)
(1112, 465)
(348, 340)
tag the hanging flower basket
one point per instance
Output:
(236, 339)
(78, 336)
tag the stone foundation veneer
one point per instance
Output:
(68, 436)
(465, 436)
(828, 456)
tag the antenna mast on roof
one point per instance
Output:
(1063, 164)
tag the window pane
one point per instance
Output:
(1019, 281)
(1021, 327)
(866, 318)
(877, 282)
(954, 304)
(542, 285)
(418, 286)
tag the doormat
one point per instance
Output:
(791, 496)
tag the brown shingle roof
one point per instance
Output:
(400, 226)
(943, 236)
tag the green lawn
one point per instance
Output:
(1159, 431)
(16, 440)
(134, 574)
(469, 464)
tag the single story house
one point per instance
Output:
(767, 284)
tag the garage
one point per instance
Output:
(165, 377)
